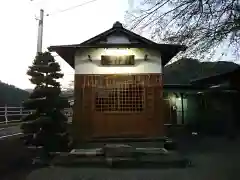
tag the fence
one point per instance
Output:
(11, 114)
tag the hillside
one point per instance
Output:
(11, 95)
(185, 70)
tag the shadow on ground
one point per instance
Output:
(212, 158)
(15, 161)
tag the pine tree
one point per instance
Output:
(46, 126)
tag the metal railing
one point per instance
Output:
(9, 111)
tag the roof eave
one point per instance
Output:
(67, 52)
(215, 79)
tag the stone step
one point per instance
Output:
(83, 161)
(88, 152)
(127, 139)
(146, 157)
(147, 162)
(114, 150)
(133, 144)
(122, 162)
(120, 154)
(81, 152)
(151, 151)
(161, 142)
(118, 150)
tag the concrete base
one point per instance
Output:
(121, 155)
(158, 142)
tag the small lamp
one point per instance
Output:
(89, 58)
(145, 57)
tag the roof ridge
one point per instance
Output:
(118, 27)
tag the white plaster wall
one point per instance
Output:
(84, 66)
(117, 39)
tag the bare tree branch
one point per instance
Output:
(203, 25)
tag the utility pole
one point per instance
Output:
(40, 32)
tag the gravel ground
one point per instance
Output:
(213, 159)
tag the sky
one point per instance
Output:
(18, 32)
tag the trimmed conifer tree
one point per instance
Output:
(46, 126)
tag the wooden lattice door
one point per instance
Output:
(119, 103)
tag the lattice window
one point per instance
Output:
(120, 97)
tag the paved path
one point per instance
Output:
(9, 131)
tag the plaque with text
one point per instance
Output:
(117, 60)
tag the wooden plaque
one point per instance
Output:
(117, 60)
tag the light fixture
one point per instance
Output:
(145, 57)
(89, 58)
(215, 86)
(179, 98)
(172, 99)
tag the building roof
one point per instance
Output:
(67, 52)
(216, 79)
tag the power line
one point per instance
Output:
(71, 8)
(40, 25)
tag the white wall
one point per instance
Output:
(117, 39)
(84, 66)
